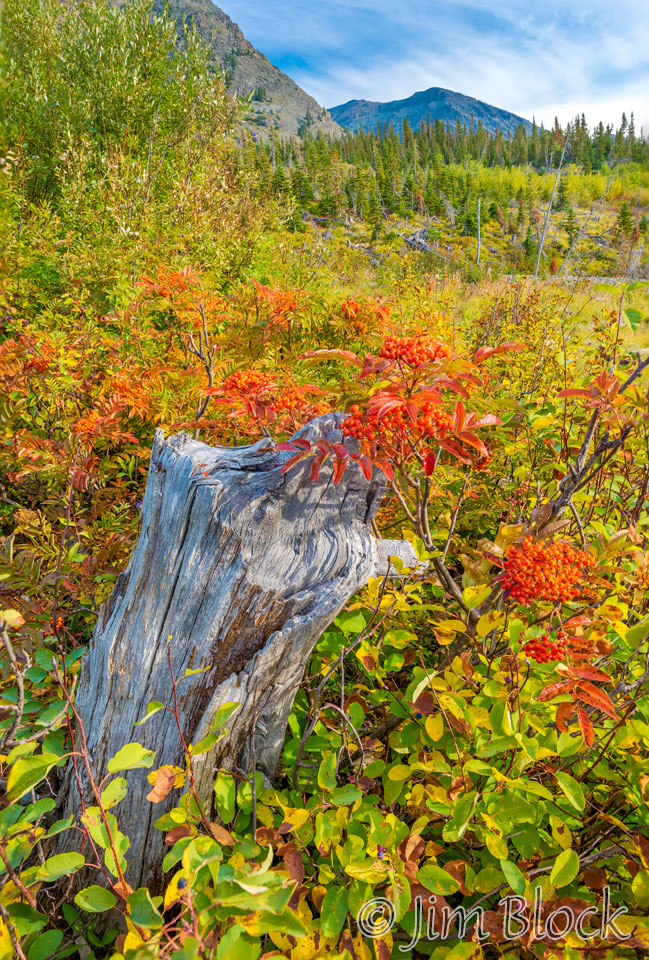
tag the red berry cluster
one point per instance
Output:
(350, 309)
(88, 425)
(534, 571)
(290, 400)
(249, 383)
(395, 425)
(543, 649)
(414, 351)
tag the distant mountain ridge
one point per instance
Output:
(278, 102)
(436, 103)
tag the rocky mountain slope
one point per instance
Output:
(435, 103)
(278, 103)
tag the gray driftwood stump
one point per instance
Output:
(244, 567)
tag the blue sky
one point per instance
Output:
(533, 58)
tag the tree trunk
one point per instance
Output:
(243, 568)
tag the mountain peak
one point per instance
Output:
(279, 104)
(435, 103)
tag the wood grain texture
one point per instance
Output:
(243, 568)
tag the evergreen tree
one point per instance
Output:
(572, 228)
(624, 223)
(561, 199)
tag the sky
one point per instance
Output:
(538, 59)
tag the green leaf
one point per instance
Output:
(130, 757)
(565, 869)
(572, 790)
(214, 734)
(95, 899)
(640, 888)
(27, 772)
(25, 919)
(113, 793)
(60, 865)
(636, 634)
(152, 708)
(143, 911)
(222, 715)
(634, 317)
(513, 875)
(225, 792)
(327, 772)
(45, 946)
(351, 623)
(437, 880)
(333, 912)
(343, 796)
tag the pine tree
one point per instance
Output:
(561, 200)
(571, 226)
(624, 223)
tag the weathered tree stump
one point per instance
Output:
(243, 568)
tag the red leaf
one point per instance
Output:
(586, 726)
(386, 467)
(564, 711)
(429, 463)
(573, 392)
(365, 464)
(382, 404)
(597, 698)
(302, 444)
(473, 441)
(291, 463)
(324, 354)
(590, 673)
(339, 469)
(555, 689)
(489, 420)
(315, 467)
(483, 353)
(459, 415)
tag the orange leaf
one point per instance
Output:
(586, 726)
(555, 690)
(564, 711)
(221, 834)
(164, 782)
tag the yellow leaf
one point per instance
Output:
(560, 832)
(489, 621)
(491, 823)
(435, 726)
(401, 772)
(175, 888)
(11, 618)
(474, 596)
(281, 940)
(317, 895)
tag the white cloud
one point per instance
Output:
(555, 58)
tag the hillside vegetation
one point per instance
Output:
(473, 729)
